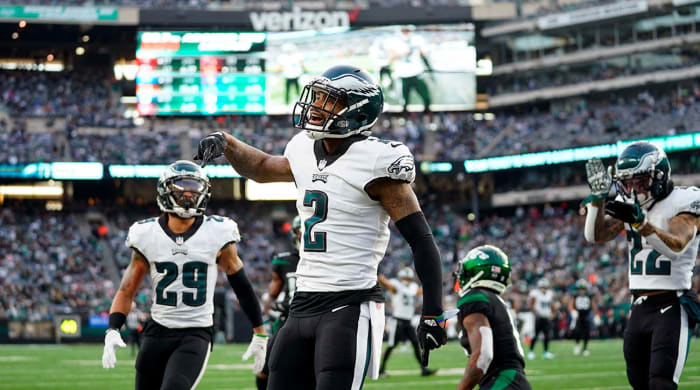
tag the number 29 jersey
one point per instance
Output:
(651, 270)
(345, 233)
(183, 267)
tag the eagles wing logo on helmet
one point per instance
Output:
(344, 101)
(178, 179)
(643, 173)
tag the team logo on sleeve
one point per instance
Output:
(695, 206)
(403, 168)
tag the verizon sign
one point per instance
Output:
(299, 20)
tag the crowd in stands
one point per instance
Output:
(432, 137)
(602, 70)
(39, 278)
(83, 98)
(48, 267)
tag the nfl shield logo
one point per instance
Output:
(179, 240)
(322, 164)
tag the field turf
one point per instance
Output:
(28, 367)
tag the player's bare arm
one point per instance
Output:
(130, 284)
(255, 164)
(386, 283)
(479, 332)
(606, 227)
(397, 198)
(681, 230)
(232, 265)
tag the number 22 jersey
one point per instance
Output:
(345, 233)
(651, 270)
(183, 267)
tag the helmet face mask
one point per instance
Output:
(484, 266)
(643, 173)
(342, 102)
(183, 189)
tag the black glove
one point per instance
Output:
(631, 213)
(431, 335)
(210, 147)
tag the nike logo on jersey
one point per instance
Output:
(339, 308)
(665, 309)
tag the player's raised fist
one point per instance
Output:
(210, 147)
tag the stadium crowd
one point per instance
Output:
(528, 81)
(39, 279)
(430, 137)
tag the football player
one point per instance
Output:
(489, 332)
(582, 304)
(661, 224)
(181, 249)
(541, 303)
(349, 185)
(403, 307)
(280, 292)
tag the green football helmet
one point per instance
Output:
(345, 100)
(484, 266)
(642, 171)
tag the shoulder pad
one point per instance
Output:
(395, 161)
(227, 227)
(686, 200)
(136, 232)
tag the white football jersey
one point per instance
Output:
(543, 302)
(344, 232)
(649, 269)
(183, 267)
(403, 302)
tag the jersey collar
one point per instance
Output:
(180, 238)
(322, 155)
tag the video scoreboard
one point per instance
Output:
(191, 73)
(214, 73)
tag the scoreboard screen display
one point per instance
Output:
(199, 73)
(212, 73)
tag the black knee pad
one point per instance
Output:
(660, 383)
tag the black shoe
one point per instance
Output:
(428, 372)
(383, 375)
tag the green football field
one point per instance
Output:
(66, 367)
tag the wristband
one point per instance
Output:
(116, 320)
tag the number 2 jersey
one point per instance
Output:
(507, 351)
(345, 233)
(651, 270)
(183, 267)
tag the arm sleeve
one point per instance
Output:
(426, 258)
(246, 297)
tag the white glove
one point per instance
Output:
(257, 348)
(599, 179)
(112, 338)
